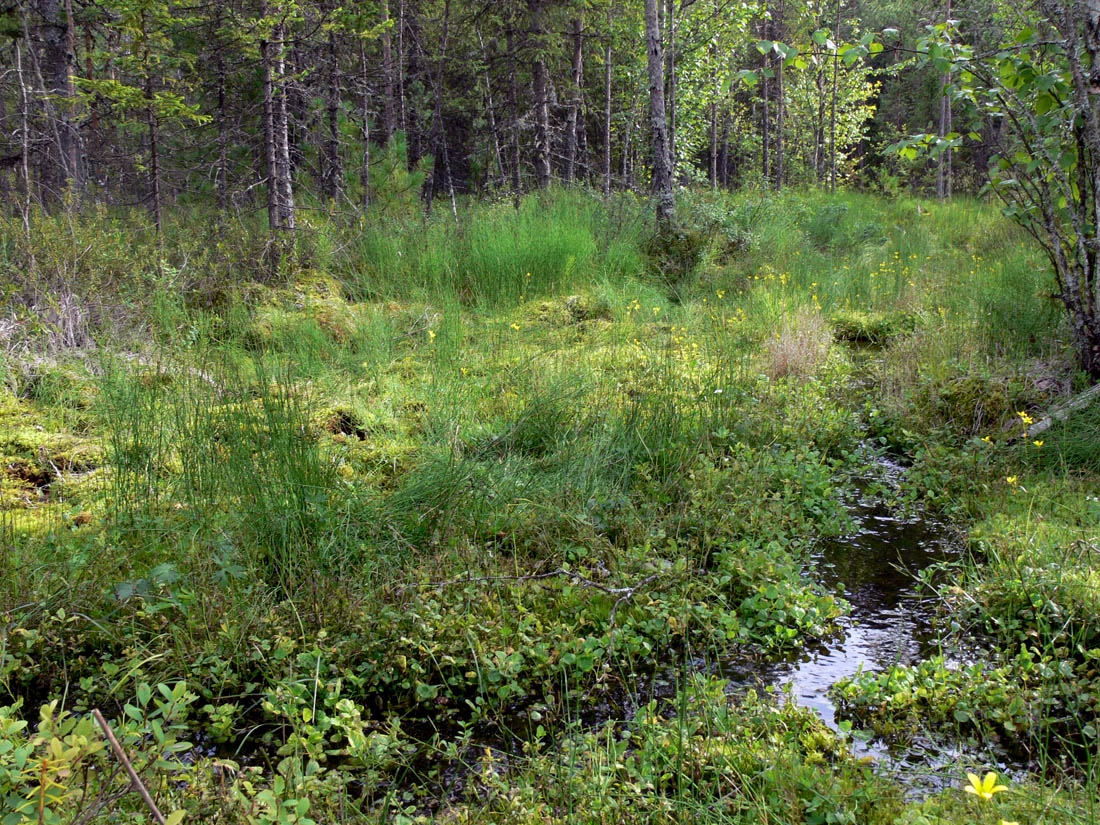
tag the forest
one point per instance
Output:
(550, 411)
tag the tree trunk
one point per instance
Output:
(943, 168)
(282, 134)
(832, 113)
(222, 174)
(494, 133)
(670, 71)
(270, 152)
(25, 153)
(542, 97)
(364, 112)
(573, 125)
(389, 125)
(151, 120)
(401, 64)
(333, 168)
(513, 88)
(607, 110)
(780, 107)
(69, 128)
(56, 171)
(713, 170)
(658, 121)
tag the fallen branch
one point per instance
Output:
(134, 778)
(1078, 402)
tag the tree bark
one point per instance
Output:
(943, 165)
(56, 173)
(542, 96)
(270, 152)
(151, 120)
(364, 113)
(282, 136)
(670, 60)
(513, 88)
(493, 132)
(389, 125)
(780, 107)
(607, 111)
(832, 113)
(574, 124)
(24, 163)
(658, 121)
(333, 172)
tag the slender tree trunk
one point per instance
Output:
(628, 140)
(658, 121)
(91, 143)
(401, 64)
(333, 168)
(56, 172)
(766, 131)
(282, 135)
(69, 127)
(670, 59)
(724, 156)
(412, 77)
(943, 165)
(573, 124)
(25, 153)
(501, 177)
(440, 132)
(781, 107)
(151, 120)
(270, 152)
(389, 124)
(364, 112)
(713, 170)
(607, 109)
(832, 113)
(513, 79)
(542, 96)
(222, 173)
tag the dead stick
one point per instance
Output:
(121, 754)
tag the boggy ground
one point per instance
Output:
(398, 535)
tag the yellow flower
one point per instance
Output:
(987, 439)
(1011, 479)
(1027, 419)
(1006, 822)
(431, 335)
(1038, 443)
(655, 311)
(515, 326)
(984, 788)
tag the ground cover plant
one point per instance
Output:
(455, 530)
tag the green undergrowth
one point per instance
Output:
(317, 538)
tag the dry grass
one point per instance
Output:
(799, 347)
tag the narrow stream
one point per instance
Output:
(875, 568)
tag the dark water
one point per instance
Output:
(890, 623)
(875, 568)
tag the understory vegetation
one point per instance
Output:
(457, 520)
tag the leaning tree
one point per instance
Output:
(1041, 89)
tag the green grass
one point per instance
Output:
(439, 473)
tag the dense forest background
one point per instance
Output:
(290, 105)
